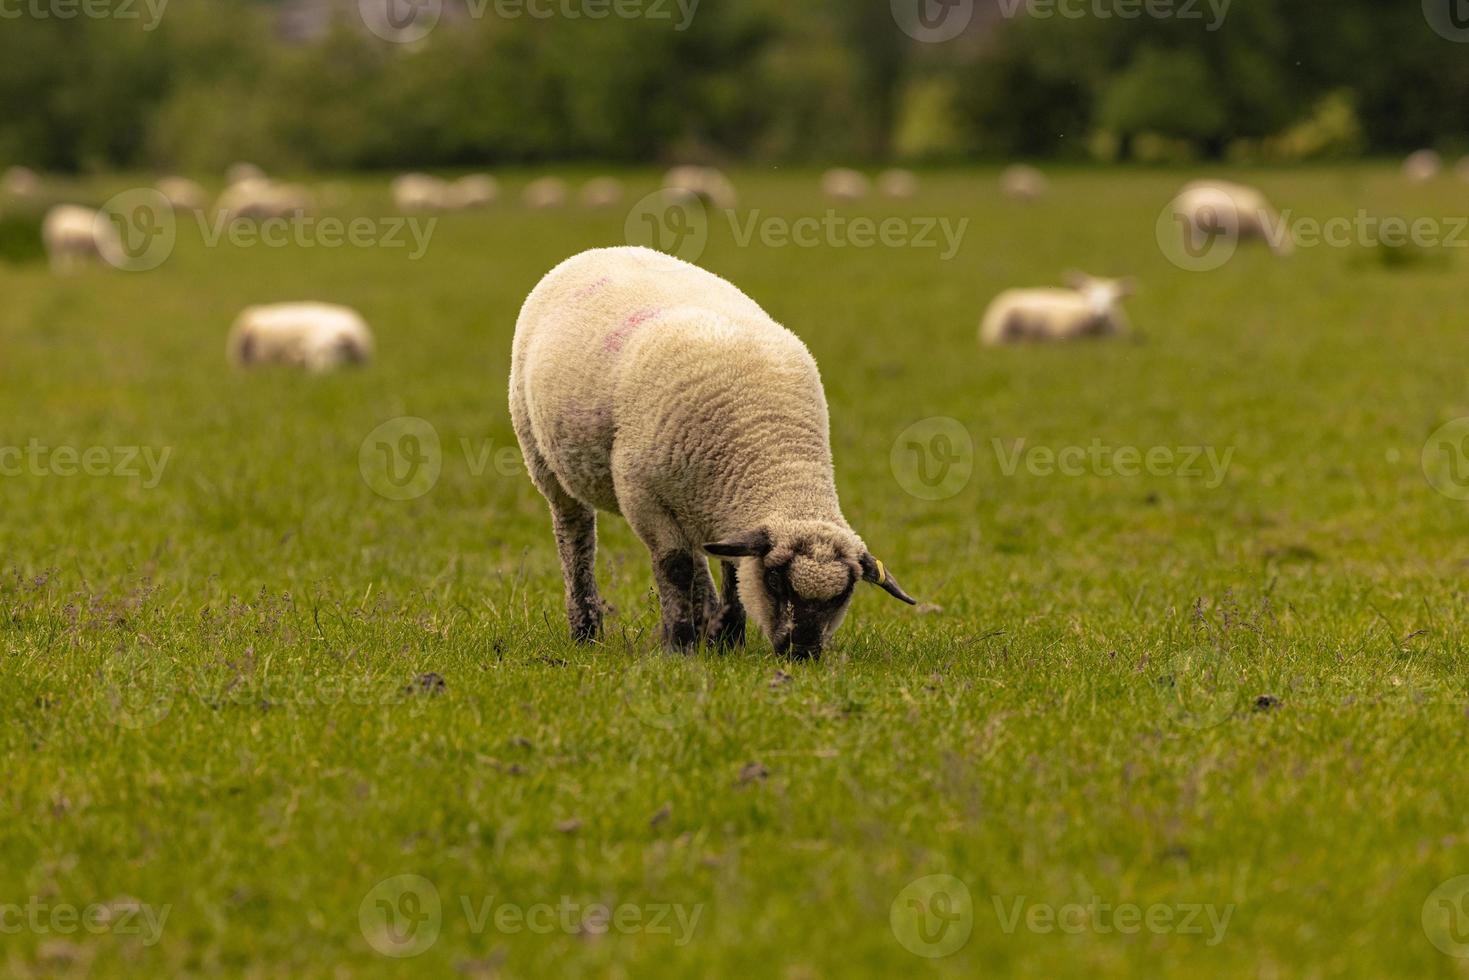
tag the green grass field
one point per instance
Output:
(249, 690)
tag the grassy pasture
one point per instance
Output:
(259, 692)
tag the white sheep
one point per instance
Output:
(1024, 183)
(1208, 208)
(546, 192)
(643, 386)
(316, 336)
(238, 173)
(259, 199)
(183, 194)
(1422, 166)
(419, 192)
(74, 236)
(21, 182)
(602, 192)
(707, 184)
(898, 184)
(472, 191)
(843, 184)
(1090, 308)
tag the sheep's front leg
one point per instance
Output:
(727, 628)
(685, 594)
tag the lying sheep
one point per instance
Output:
(1208, 208)
(316, 336)
(643, 386)
(547, 192)
(472, 191)
(1090, 308)
(706, 184)
(258, 199)
(22, 182)
(1422, 166)
(75, 236)
(842, 184)
(602, 192)
(238, 173)
(1024, 183)
(898, 184)
(183, 194)
(419, 192)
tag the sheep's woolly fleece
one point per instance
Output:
(654, 389)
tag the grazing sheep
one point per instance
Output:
(706, 184)
(420, 192)
(547, 192)
(1090, 308)
(842, 184)
(473, 191)
(899, 184)
(602, 192)
(1205, 209)
(75, 236)
(183, 194)
(238, 173)
(1024, 183)
(316, 336)
(1422, 166)
(21, 182)
(258, 199)
(644, 386)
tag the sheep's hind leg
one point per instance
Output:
(727, 627)
(575, 525)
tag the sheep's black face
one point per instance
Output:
(803, 602)
(797, 583)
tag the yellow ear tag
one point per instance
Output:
(882, 572)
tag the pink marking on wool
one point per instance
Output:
(586, 291)
(617, 338)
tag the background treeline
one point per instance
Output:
(765, 80)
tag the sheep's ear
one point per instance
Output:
(874, 571)
(1075, 278)
(753, 544)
